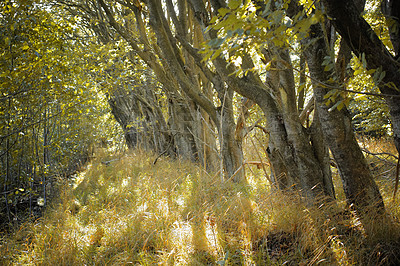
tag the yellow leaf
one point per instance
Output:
(358, 71)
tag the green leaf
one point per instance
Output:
(234, 4)
(222, 12)
(268, 66)
(302, 87)
(216, 54)
(358, 72)
(328, 67)
(371, 71)
(330, 94)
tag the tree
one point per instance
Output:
(186, 76)
(363, 41)
(331, 116)
(295, 159)
(44, 89)
(201, 82)
(187, 86)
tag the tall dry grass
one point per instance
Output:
(174, 213)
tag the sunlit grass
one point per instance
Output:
(130, 211)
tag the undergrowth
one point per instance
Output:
(130, 211)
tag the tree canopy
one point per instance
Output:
(51, 107)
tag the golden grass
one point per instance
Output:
(174, 213)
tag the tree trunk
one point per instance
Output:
(358, 34)
(321, 151)
(183, 128)
(209, 137)
(123, 113)
(291, 154)
(358, 183)
(231, 147)
(142, 120)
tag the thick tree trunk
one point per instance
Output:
(182, 126)
(358, 183)
(123, 113)
(362, 39)
(290, 152)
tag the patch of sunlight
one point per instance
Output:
(356, 223)
(125, 181)
(111, 190)
(181, 237)
(246, 244)
(212, 236)
(163, 207)
(142, 208)
(181, 201)
(86, 234)
(114, 228)
(339, 251)
(253, 183)
(101, 180)
(78, 178)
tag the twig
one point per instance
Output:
(251, 170)
(262, 165)
(107, 163)
(203, 142)
(165, 151)
(380, 153)
(250, 128)
(263, 129)
(221, 134)
(235, 173)
(307, 110)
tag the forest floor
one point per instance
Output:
(122, 210)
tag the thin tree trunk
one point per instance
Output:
(302, 84)
(45, 155)
(182, 126)
(7, 175)
(321, 151)
(231, 147)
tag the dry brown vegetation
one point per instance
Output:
(174, 213)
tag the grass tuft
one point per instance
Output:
(129, 211)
